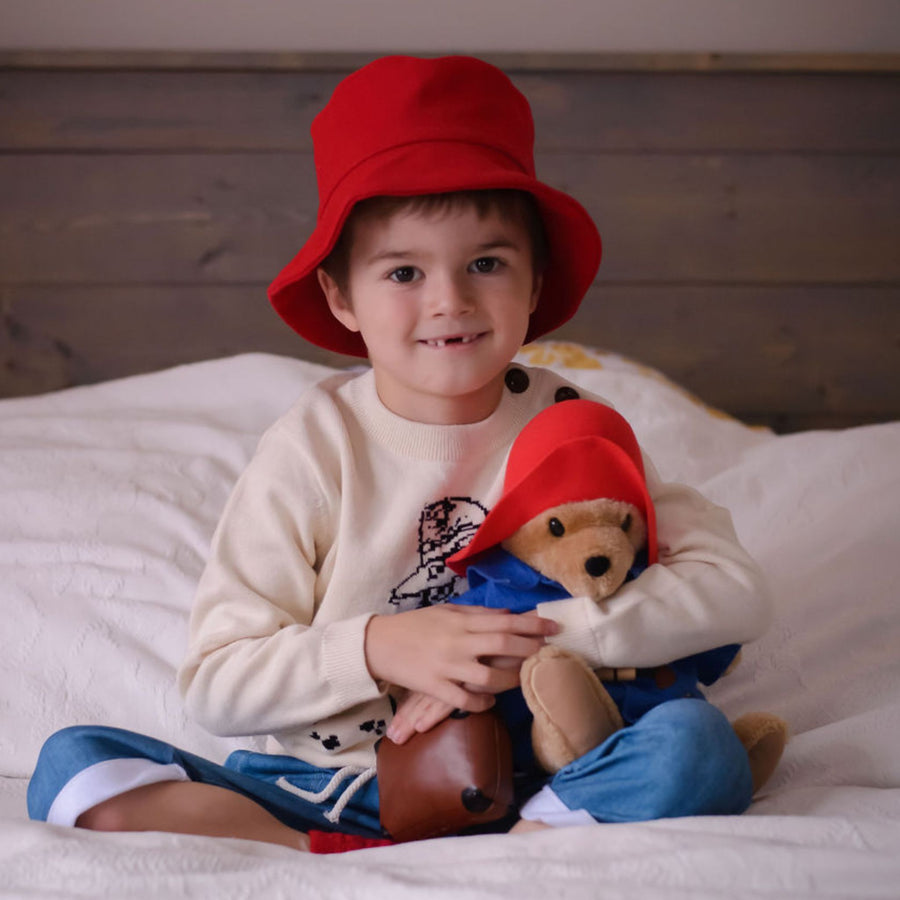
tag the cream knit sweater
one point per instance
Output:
(347, 511)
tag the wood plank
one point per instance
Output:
(783, 356)
(196, 60)
(166, 111)
(52, 338)
(788, 357)
(240, 217)
(725, 113)
(574, 111)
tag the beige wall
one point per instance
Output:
(752, 26)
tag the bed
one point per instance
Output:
(110, 493)
(749, 209)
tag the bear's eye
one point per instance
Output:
(557, 529)
(626, 525)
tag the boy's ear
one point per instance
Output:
(338, 303)
(537, 285)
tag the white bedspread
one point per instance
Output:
(108, 498)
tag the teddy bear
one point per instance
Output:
(575, 519)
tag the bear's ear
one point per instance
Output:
(556, 528)
(626, 523)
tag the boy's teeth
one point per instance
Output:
(441, 342)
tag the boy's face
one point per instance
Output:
(442, 301)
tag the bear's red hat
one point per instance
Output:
(403, 126)
(572, 451)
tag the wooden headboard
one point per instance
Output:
(750, 209)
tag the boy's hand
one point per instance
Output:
(416, 713)
(460, 655)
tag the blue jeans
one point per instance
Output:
(70, 752)
(681, 759)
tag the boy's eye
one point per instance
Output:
(485, 265)
(404, 274)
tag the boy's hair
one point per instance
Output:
(509, 205)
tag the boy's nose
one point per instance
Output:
(449, 296)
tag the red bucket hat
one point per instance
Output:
(403, 126)
(572, 451)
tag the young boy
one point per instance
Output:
(436, 253)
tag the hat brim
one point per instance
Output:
(436, 167)
(560, 478)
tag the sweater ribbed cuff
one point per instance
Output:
(344, 656)
(576, 634)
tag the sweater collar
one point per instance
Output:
(436, 442)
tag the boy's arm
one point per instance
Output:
(256, 661)
(705, 592)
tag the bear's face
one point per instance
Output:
(588, 546)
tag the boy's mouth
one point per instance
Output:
(457, 340)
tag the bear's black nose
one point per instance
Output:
(597, 566)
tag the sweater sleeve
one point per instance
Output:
(705, 591)
(264, 656)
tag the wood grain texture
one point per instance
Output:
(747, 350)
(43, 110)
(749, 213)
(70, 218)
(283, 61)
